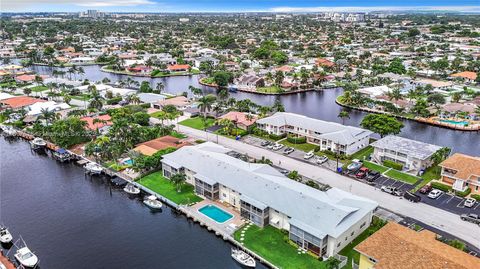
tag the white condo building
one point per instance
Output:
(328, 135)
(323, 222)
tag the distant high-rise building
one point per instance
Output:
(92, 13)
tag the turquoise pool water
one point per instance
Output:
(215, 213)
(128, 162)
(463, 123)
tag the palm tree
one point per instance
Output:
(344, 115)
(264, 110)
(347, 97)
(96, 102)
(67, 99)
(178, 180)
(27, 91)
(47, 115)
(205, 104)
(135, 99)
(227, 125)
(160, 87)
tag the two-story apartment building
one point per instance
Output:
(413, 155)
(322, 222)
(328, 135)
(461, 172)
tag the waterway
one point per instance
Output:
(73, 221)
(319, 104)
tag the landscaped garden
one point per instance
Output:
(271, 89)
(273, 245)
(198, 123)
(375, 167)
(39, 88)
(397, 175)
(159, 184)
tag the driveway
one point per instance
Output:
(425, 213)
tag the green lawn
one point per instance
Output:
(83, 97)
(407, 178)
(271, 244)
(39, 88)
(178, 135)
(353, 254)
(159, 184)
(429, 175)
(197, 123)
(374, 166)
(362, 154)
(271, 89)
(303, 147)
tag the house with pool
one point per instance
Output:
(322, 222)
(330, 136)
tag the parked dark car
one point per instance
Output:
(412, 197)
(473, 218)
(372, 176)
(362, 172)
(425, 189)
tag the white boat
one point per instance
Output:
(8, 131)
(25, 256)
(243, 258)
(152, 202)
(62, 155)
(38, 143)
(5, 235)
(93, 168)
(131, 189)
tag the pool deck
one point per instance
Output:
(228, 227)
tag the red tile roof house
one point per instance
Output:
(324, 62)
(240, 118)
(461, 172)
(101, 126)
(141, 69)
(19, 102)
(178, 67)
(27, 78)
(468, 76)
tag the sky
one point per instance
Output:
(235, 6)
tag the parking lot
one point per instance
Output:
(451, 203)
(297, 154)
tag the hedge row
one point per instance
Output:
(441, 186)
(463, 193)
(392, 164)
(277, 137)
(476, 197)
(297, 140)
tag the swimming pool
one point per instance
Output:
(463, 123)
(128, 161)
(215, 213)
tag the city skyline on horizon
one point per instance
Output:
(187, 6)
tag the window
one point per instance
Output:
(363, 225)
(352, 233)
(224, 195)
(338, 245)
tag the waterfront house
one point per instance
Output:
(151, 147)
(322, 222)
(241, 119)
(39, 107)
(213, 61)
(150, 98)
(250, 80)
(327, 135)
(396, 246)
(101, 123)
(140, 69)
(461, 172)
(374, 92)
(178, 67)
(180, 102)
(413, 155)
(19, 102)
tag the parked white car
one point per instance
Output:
(470, 202)
(321, 159)
(277, 146)
(308, 155)
(434, 194)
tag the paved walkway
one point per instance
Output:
(429, 215)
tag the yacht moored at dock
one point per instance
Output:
(152, 202)
(38, 143)
(62, 155)
(8, 131)
(131, 189)
(93, 168)
(25, 256)
(5, 235)
(243, 258)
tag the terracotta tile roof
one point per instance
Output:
(239, 117)
(284, 68)
(324, 62)
(176, 101)
(93, 126)
(20, 101)
(395, 246)
(465, 165)
(466, 74)
(151, 147)
(178, 67)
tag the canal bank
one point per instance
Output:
(315, 104)
(74, 221)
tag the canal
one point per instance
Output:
(319, 104)
(73, 221)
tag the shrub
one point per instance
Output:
(457, 244)
(441, 186)
(200, 141)
(475, 196)
(313, 184)
(316, 149)
(297, 140)
(277, 137)
(392, 164)
(463, 193)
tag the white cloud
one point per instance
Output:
(377, 8)
(115, 3)
(24, 5)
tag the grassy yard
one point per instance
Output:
(271, 89)
(270, 243)
(407, 178)
(353, 254)
(303, 147)
(83, 97)
(429, 175)
(39, 88)
(374, 166)
(197, 123)
(362, 154)
(159, 184)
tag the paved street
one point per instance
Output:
(427, 214)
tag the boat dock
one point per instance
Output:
(6, 261)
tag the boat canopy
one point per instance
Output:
(61, 151)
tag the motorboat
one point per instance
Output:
(62, 155)
(131, 189)
(25, 256)
(93, 168)
(355, 165)
(152, 202)
(8, 131)
(243, 258)
(38, 143)
(5, 235)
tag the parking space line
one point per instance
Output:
(461, 205)
(478, 204)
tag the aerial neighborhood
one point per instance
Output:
(316, 140)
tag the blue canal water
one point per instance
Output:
(215, 213)
(72, 221)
